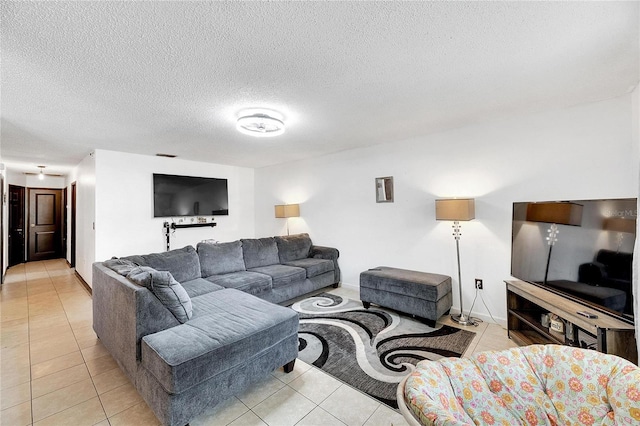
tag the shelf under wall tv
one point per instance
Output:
(527, 302)
(192, 225)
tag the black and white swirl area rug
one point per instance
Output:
(370, 349)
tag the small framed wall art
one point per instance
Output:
(384, 189)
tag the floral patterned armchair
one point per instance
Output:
(531, 385)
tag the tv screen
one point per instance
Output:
(189, 196)
(582, 249)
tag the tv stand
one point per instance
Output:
(526, 303)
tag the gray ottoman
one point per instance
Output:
(421, 294)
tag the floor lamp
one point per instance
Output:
(620, 225)
(554, 213)
(457, 210)
(287, 211)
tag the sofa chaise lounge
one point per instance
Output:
(191, 328)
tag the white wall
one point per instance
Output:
(114, 191)
(84, 174)
(124, 204)
(16, 178)
(32, 181)
(49, 182)
(582, 152)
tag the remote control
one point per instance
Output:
(587, 314)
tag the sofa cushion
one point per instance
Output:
(260, 252)
(183, 263)
(169, 291)
(200, 286)
(229, 327)
(293, 247)
(314, 267)
(221, 258)
(282, 275)
(249, 282)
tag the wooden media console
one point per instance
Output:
(527, 303)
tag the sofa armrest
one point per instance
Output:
(123, 313)
(592, 273)
(320, 252)
(328, 253)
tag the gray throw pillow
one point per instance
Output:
(169, 291)
(121, 266)
(221, 258)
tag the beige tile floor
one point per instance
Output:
(54, 371)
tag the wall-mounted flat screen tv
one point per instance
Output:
(189, 196)
(582, 249)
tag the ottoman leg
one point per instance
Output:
(366, 305)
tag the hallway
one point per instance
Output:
(54, 371)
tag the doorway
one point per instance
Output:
(65, 220)
(1, 228)
(45, 224)
(16, 225)
(73, 225)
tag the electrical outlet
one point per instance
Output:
(478, 283)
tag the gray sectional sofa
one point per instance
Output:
(191, 328)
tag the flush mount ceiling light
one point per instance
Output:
(260, 125)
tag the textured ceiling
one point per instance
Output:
(171, 77)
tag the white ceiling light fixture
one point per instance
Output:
(260, 124)
(41, 174)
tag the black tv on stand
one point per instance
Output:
(582, 249)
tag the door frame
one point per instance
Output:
(11, 242)
(2, 229)
(73, 224)
(29, 221)
(65, 201)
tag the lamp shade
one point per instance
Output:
(620, 224)
(287, 210)
(561, 213)
(456, 209)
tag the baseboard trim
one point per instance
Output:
(350, 286)
(502, 322)
(84, 283)
(68, 263)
